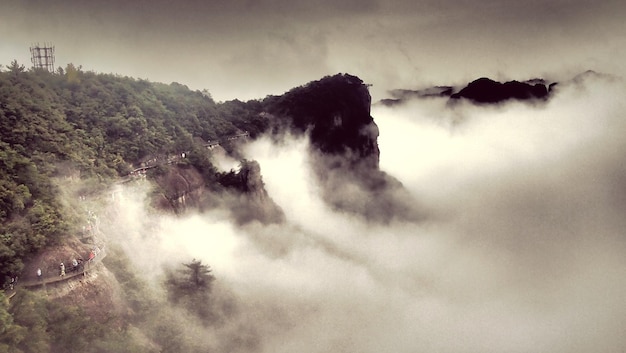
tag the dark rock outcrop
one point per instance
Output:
(480, 91)
(334, 113)
(180, 187)
(485, 90)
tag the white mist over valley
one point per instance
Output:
(521, 248)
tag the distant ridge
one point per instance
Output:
(480, 91)
(485, 90)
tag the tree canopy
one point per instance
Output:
(190, 287)
(80, 124)
(192, 279)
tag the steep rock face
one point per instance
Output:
(484, 90)
(179, 187)
(335, 111)
(182, 187)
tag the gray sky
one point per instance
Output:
(248, 49)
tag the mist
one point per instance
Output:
(522, 251)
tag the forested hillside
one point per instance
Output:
(96, 127)
(67, 136)
(93, 127)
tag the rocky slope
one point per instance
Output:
(178, 188)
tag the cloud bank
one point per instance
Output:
(523, 250)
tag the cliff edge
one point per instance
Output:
(334, 114)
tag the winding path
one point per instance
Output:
(33, 283)
(41, 282)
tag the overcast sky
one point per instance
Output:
(248, 49)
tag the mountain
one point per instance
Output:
(70, 140)
(334, 113)
(485, 90)
(73, 134)
(480, 91)
(91, 130)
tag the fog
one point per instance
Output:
(523, 249)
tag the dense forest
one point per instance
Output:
(96, 127)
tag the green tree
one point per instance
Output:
(29, 311)
(193, 279)
(16, 68)
(72, 74)
(190, 287)
(11, 334)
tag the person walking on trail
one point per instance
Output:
(62, 270)
(74, 265)
(39, 274)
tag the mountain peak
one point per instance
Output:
(335, 112)
(486, 90)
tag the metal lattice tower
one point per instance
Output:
(42, 56)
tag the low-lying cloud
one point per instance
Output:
(523, 250)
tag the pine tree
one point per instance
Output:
(194, 279)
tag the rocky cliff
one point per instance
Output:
(334, 113)
(181, 188)
(178, 188)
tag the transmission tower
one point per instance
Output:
(42, 56)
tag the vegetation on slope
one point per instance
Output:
(96, 127)
(79, 124)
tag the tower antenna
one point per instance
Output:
(42, 57)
